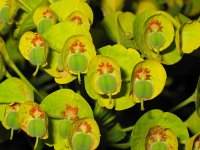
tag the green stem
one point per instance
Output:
(11, 133)
(36, 143)
(8, 75)
(142, 105)
(79, 78)
(28, 8)
(185, 102)
(127, 129)
(36, 71)
(121, 145)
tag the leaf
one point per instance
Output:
(190, 35)
(15, 90)
(59, 33)
(66, 100)
(158, 118)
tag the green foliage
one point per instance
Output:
(94, 60)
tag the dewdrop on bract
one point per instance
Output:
(76, 54)
(148, 80)
(33, 48)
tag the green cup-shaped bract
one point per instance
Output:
(33, 120)
(157, 129)
(34, 48)
(10, 120)
(79, 18)
(111, 6)
(119, 27)
(65, 7)
(44, 18)
(155, 34)
(84, 134)
(77, 53)
(105, 75)
(189, 36)
(148, 80)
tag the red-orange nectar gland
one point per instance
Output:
(47, 14)
(77, 47)
(143, 74)
(84, 127)
(77, 20)
(71, 112)
(155, 26)
(36, 112)
(37, 41)
(105, 68)
(157, 134)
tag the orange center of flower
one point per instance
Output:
(84, 127)
(143, 74)
(77, 46)
(155, 26)
(70, 112)
(36, 112)
(47, 14)
(105, 68)
(157, 134)
(77, 20)
(38, 41)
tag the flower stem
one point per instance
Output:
(36, 143)
(11, 134)
(185, 102)
(127, 129)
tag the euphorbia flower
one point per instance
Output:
(148, 80)
(77, 53)
(44, 18)
(33, 120)
(105, 75)
(34, 48)
(84, 132)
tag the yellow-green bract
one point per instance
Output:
(77, 53)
